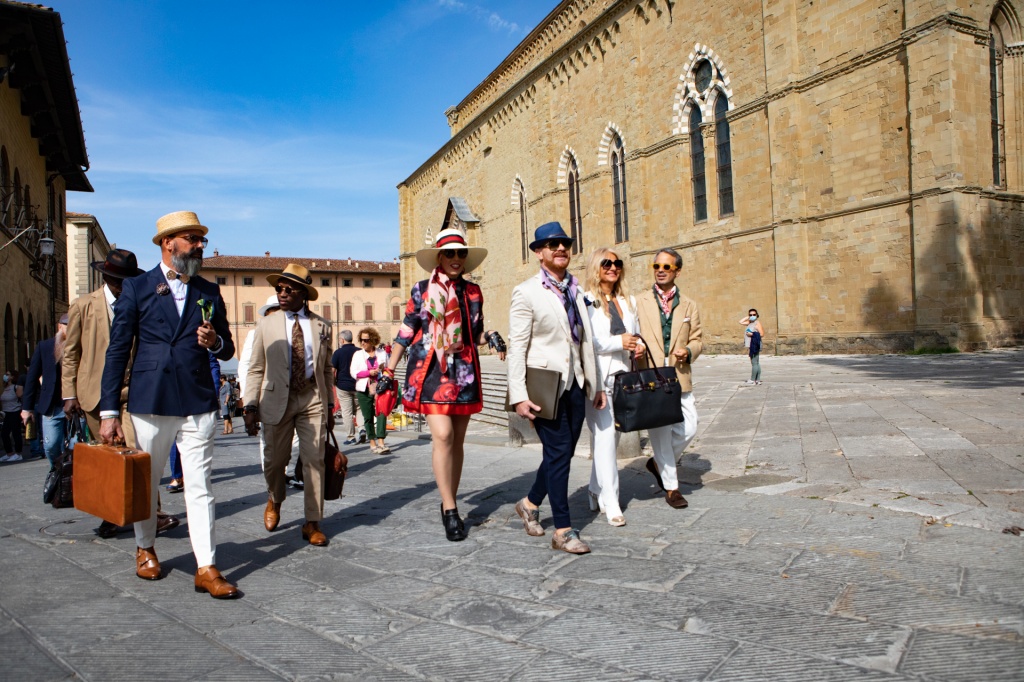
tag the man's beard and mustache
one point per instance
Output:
(188, 263)
(58, 345)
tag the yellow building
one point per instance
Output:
(87, 244)
(352, 293)
(42, 156)
(852, 169)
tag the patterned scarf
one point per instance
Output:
(665, 298)
(566, 291)
(445, 317)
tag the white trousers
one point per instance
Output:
(668, 442)
(604, 444)
(194, 436)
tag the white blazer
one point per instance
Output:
(539, 336)
(611, 357)
(359, 364)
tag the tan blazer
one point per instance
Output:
(686, 331)
(88, 336)
(539, 336)
(267, 381)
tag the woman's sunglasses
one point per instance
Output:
(455, 253)
(663, 266)
(607, 263)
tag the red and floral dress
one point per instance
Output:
(428, 390)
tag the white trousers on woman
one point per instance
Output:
(194, 435)
(604, 444)
(668, 442)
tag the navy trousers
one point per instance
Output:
(559, 437)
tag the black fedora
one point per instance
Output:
(546, 233)
(120, 263)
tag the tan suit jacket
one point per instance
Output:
(686, 331)
(268, 380)
(88, 336)
(539, 336)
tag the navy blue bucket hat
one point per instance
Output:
(547, 232)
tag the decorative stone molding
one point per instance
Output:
(606, 141)
(688, 96)
(518, 188)
(563, 165)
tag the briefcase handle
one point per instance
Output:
(659, 380)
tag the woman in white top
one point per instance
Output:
(367, 362)
(616, 334)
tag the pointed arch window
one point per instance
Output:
(995, 68)
(523, 227)
(723, 156)
(618, 163)
(575, 216)
(699, 182)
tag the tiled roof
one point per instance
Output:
(72, 214)
(315, 265)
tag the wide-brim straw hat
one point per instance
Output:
(176, 222)
(271, 303)
(120, 263)
(296, 274)
(451, 239)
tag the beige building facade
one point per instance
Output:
(352, 294)
(42, 157)
(852, 169)
(87, 244)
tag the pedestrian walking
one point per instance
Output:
(227, 405)
(346, 384)
(443, 325)
(10, 401)
(753, 337)
(366, 365)
(42, 392)
(549, 329)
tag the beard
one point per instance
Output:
(58, 345)
(188, 263)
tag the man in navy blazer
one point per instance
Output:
(45, 397)
(175, 319)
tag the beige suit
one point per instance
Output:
(284, 412)
(85, 352)
(686, 331)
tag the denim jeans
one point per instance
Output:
(53, 430)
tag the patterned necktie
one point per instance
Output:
(298, 357)
(171, 274)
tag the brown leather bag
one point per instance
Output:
(112, 482)
(335, 468)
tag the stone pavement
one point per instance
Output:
(783, 568)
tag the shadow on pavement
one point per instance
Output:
(968, 370)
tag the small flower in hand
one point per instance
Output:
(206, 307)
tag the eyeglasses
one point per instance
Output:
(455, 253)
(607, 263)
(553, 244)
(364, 341)
(664, 266)
(282, 289)
(194, 239)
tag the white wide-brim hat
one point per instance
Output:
(451, 239)
(271, 303)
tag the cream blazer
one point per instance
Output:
(539, 336)
(611, 357)
(268, 380)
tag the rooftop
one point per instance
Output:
(268, 263)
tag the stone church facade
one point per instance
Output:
(852, 169)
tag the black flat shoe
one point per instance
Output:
(454, 528)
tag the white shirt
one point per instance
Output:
(178, 289)
(307, 336)
(109, 295)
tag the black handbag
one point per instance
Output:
(60, 478)
(335, 468)
(646, 398)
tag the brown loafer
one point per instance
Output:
(652, 466)
(209, 579)
(311, 531)
(165, 522)
(676, 500)
(147, 566)
(272, 514)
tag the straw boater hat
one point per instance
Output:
(451, 239)
(173, 223)
(295, 274)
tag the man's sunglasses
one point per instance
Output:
(663, 266)
(282, 289)
(607, 263)
(553, 244)
(455, 253)
(194, 239)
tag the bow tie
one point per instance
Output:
(171, 274)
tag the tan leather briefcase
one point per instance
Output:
(112, 482)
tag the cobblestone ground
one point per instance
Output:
(844, 523)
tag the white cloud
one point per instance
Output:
(493, 20)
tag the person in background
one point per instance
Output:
(43, 391)
(10, 401)
(616, 337)
(753, 338)
(365, 368)
(227, 404)
(346, 385)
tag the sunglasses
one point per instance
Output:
(364, 340)
(194, 239)
(553, 244)
(664, 266)
(607, 263)
(282, 289)
(455, 253)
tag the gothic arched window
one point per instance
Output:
(575, 216)
(700, 190)
(723, 156)
(523, 227)
(995, 68)
(618, 163)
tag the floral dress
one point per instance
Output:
(427, 390)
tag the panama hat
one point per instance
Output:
(271, 303)
(547, 232)
(176, 222)
(297, 274)
(451, 239)
(120, 263)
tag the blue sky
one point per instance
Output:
(285, 126)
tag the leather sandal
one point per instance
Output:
(147, 566)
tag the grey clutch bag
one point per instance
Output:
(542, 385)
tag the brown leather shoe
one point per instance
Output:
(209, 579)
(272, 514)
(676, 500)
(165, 522)
(530, 517)
(147, 566)
(311, 531)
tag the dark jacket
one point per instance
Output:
(342, 362)
(755, 343)
(45, 398)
